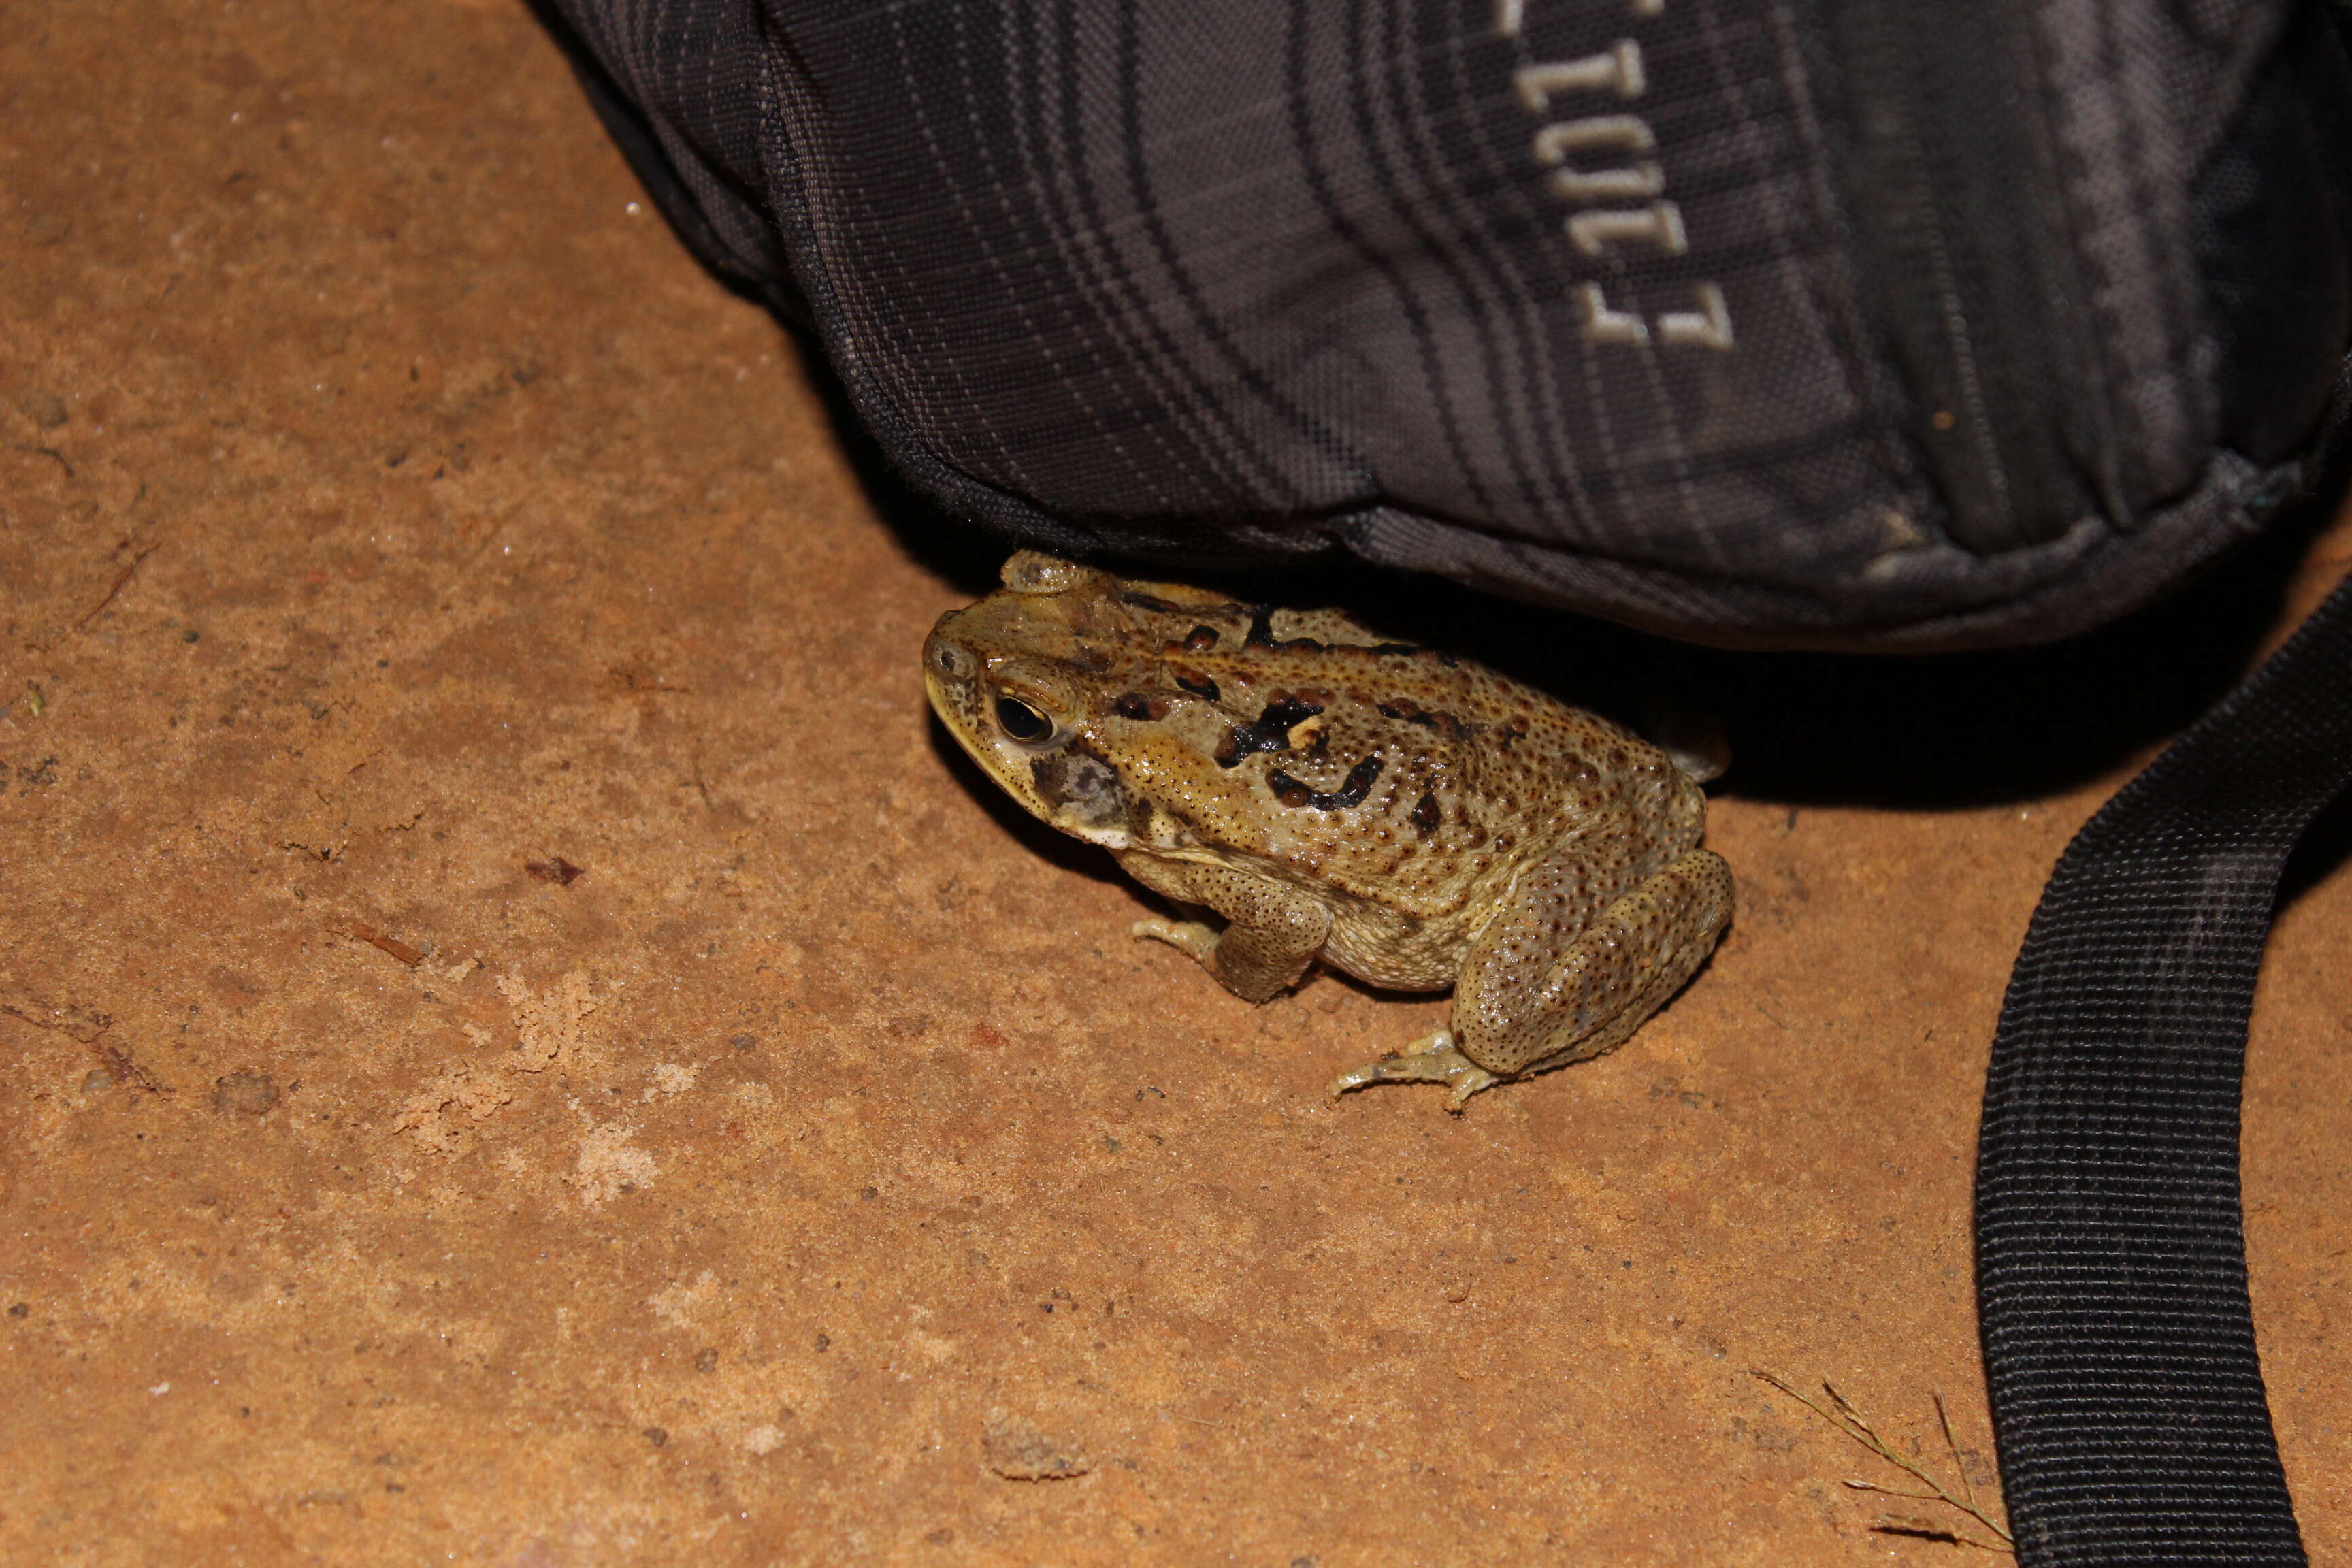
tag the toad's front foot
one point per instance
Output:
(1431, 1061)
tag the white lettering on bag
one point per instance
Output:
(1557, 145)
(1606, 158)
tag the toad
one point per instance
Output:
(1406, 816)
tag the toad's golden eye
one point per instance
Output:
(1022, 722)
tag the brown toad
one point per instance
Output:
(1414, 818)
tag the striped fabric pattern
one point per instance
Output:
(1789, 322)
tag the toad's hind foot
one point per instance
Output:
(1430, 1060)
(1194, 938)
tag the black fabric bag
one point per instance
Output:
(1918, 323)
(1900, 324)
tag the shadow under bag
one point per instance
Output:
(1856, 324)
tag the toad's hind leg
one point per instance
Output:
(1521, 1009)
(1539, 991)
(1271, 932)
(1430, 1059)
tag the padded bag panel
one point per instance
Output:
(1902, 323)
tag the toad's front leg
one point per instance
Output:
(1272, 932)
(1538, 991)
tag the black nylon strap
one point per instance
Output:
(2111, 1277)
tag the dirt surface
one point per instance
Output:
(522, 1046)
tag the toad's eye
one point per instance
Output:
(1021, 720)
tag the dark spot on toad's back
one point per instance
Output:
(1135, 705)
(1350, 793)
(1200, 639)
(1425, 816)
(1412, 713)
(1269, 731)
(1199, 685)
(1261, 633)
(1150, 601)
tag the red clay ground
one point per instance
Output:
(394, 517)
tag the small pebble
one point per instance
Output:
(245, 1093)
